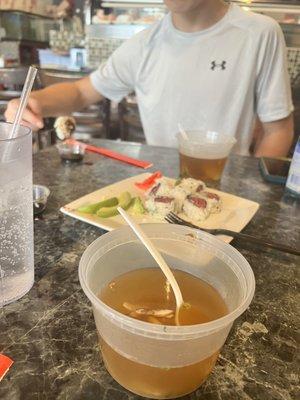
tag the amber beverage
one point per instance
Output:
(124, 294)
(203, 155)
(201, 168)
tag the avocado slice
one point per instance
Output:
(137, 206)
(124, 201)
(93, 208)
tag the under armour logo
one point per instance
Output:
(214, 65)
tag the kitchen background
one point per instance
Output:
(69, 38)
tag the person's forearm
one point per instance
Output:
(277, 138)
(54, 101)
(59, 99)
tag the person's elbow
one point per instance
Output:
(277, 138)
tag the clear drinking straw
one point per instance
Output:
(24, 99)
(32, 71)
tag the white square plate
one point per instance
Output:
(235, 215)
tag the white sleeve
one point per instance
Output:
(115, 78)
(273, 89)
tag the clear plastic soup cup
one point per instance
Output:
(205, 145)
(142, 348)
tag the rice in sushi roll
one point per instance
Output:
(161, 188)
(191, 185)
(179, 195)
(213, 201)
(160, 206)
(196, 208)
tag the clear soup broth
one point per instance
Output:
(145, 295)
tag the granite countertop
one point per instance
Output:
(50, 332)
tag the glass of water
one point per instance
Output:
(16, 214)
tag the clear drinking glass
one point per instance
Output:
(203, 155)
(157, 361)
(16, 214)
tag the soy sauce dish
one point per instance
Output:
(70, 152)
(40, 198)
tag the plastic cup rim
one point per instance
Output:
(26, 129)
(231, 140)
(187, 330)
(44, 188)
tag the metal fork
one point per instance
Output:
(174, 219)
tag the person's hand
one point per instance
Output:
(32, 116)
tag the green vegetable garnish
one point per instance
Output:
(124, 201)
(93, 208)
(137, 206)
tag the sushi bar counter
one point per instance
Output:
(50, 333)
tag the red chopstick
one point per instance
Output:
(112, 154)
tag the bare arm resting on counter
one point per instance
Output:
(55, 100)
(277, 138)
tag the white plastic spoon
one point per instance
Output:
(158, 258)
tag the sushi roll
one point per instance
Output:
(213, 200)
(196, 208)
(191, 185)
(160, 205)
(179, 195)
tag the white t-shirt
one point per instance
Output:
(217, 79)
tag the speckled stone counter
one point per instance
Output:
(50, 333)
